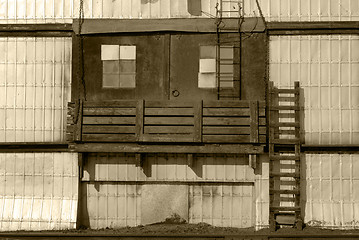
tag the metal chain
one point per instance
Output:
(80, 69)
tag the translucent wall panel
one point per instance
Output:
(331, 196)
(118, 193)
(38, 191)
(328, 70)
(62, 11)
(35, 86)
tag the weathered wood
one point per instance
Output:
(253, 160)
(149, 148)
(169, 121)
(285, 124)
(109, 111)
(287, 108)
(168, 129)
(169, 104)
(139, 158)
(286, 99)
(109, 137)
(226, 138)
(95, 26)
(167, 138)
(78, 119)
(107, 129)
(190, 159)
(224, 130)
(254, 121)
(226, 121)
(324, 25)
(109, 120)
(169, 111)
(57, 27)
(113, 104)
(226, 104)
(139, 119)
(198, 108)
(286, 115)
(245, 112)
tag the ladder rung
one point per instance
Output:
(282, 91)
(287, 199)
(284, 208)
(283, 191)
(285, 124)
(287, 132)
(285, 141)
(284, 157)
(287, 99)
(287, 166)
(278, 108)
(282, 174)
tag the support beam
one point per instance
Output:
(164, 148)
(253, 161)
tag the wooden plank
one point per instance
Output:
(287, 132)
(198, 108)
(286, 99)
(168, 129)
(226, 104)
(326, 25)
(254, 121)
(109, 111)
(286, 124)
(169, 111)
(78, 119)
(109, 120)
(156, 148)
(286, 115)
(107, 129)
(167, 138)
(95, 26)
(169, 121)
(56, 27)
(223, 121)
(245, 112)
(108, 137)
(111, 104)
(287, 108)
(224, 130)
(139, 119)
(168, 104)
(226, 138)
(262, 138)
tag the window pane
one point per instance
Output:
(207, 80)
(111, 67)
(127, 66)
(226, 52)
(207, 65)
(207, 52)
(127, 80)
(110, 52)
(110, 81)
(127, 52)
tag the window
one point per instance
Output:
(208, 69)
(118, 66)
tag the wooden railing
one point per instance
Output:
(167, 121)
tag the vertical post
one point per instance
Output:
(81, 161)
(198, 113)
(253, 105)
(78, 120)
(139, 120)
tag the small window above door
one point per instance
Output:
(118, 66)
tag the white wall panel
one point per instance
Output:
(221, 190)
(331, 195)
(328, 70)
(63, 11)
(168, 167)
(35, 86)
(38, 191)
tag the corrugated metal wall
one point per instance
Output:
(38, 191)
(50, 11)
(328, 70)
(35, 86)
(219, 190)
(332, 190)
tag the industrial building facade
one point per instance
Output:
(238, 113)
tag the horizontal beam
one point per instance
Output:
(162, 148)
(313, 28)
(35, 27)
(33, 147)
(97, 26)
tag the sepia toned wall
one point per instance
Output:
(63, 11)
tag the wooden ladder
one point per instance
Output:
(284, 156)
(228, 65)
